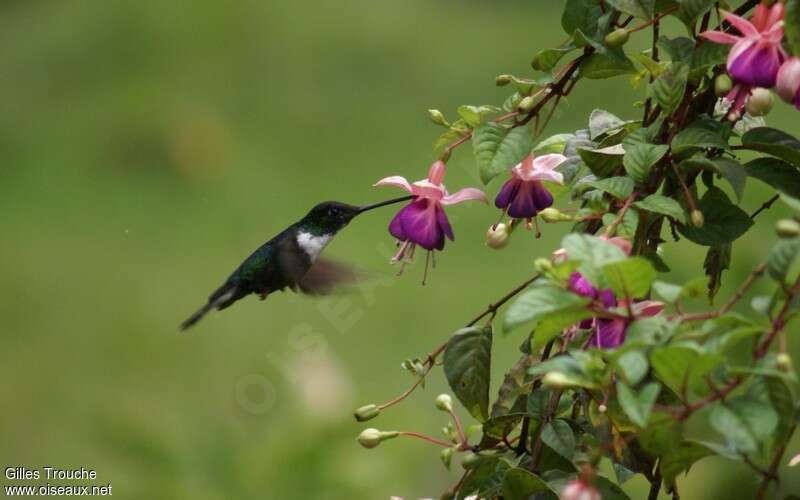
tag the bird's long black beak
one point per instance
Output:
(364, 208)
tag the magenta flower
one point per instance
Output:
(610, 333)
(579, 489)
(757, 54)
(524, 195)
(788, 82)
(423, 222)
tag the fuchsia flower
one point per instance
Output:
(578, 489)
(788, 82)
(524, 195)
(423, 222)
(757, 54)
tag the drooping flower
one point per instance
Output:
(524, 195)
(610, 333)
(756, 54)
(788, 82)
(578, 489)
(423, 222)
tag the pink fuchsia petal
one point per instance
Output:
(540, 168)
(755, 63)
(418, 223)
(720, 37)
(427, 189)
(465, 194)
(788, 81)
(744, 26)
(765, 17)
(507, 193)
(396, 181)
(436, 172)
(648, 308)
(619, 242)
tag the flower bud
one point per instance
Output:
(551, 214)
(470, 460)
(784, 362)
(697, 218)
(447, 456)
(578, 489)
(602, 408)
(542, 265)
(556, 380)
(617, 38)
(444, 402)
(437, 117)
(370, 438)
(787, 228)
(722, 85)
(788, 83)
(526, 104)
(502, 80)
(760, 102)
(497, 236)
(367, 412)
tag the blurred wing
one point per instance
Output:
(293, 264)
(326, 276)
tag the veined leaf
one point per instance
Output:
(781, 258)
(600, 66)
(536, 303)
(724, 221)
(662, 205)
(467, 361)
(639, 159)
(631, 277)
(602, 122)
(547, 59)
(637, 8)
(697, 138)
(521, 484)
(618, 187)
(680, 363)
(581, 15)
(773, 142)
(558, 435)
(497, 149)
(602, 162)
(668, 88)
(778, 174)
(638, 405)
(690, 10)
(730, 170)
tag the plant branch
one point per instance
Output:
(766, 206)
(772, 473)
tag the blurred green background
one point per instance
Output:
(147, 147)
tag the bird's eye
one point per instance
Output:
(332, 212)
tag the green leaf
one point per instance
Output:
(633, 365)
(791, 25)
(637, 8)
(497, 149)
(593, 253)
(679, 49)
(697, 138)
(602, 122)
(680, 363)
(608, 490)
(558, 435)
(773, 142)
(728, 423)
(629, 225)
(618, 187)
(724, 221)
(730, 170)
(538, 302)
(781, 258)
(778, 174)
(547, 59)
(581, 15)
(602, 162)
(639, 159)
(474, 115)
(662, 205)
(553, 144)
(718, 260)
(520, 484)
(681, 458)
(600, 67)
(631, 277)
(638, 406)
(668, 88)
(707, 55)
(512, 394)
(690, 10)
(467, 361)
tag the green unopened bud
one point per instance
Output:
(602, 408)
(526, 104)
(444, 402)
(437, 117)
(722, 85)
(370, 438)
(367, 412)
(470, 460)
(502, 80)
(784, 362)
(760, 102)
(543, 265)
(497, 236)
(555, 380)
(447, 456)
(617, 38)
(787, 228)
(698, 220)
(554, 215)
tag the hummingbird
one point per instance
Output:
(291, 259)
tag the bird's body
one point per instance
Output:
(289, 260)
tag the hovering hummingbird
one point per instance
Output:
(291, 259)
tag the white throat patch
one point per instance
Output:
(312, 245)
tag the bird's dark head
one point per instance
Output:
(331, 216)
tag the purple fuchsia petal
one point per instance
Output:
(523, 206)
(419, 224)
(396, 227)
(581, 286)
(444, 224)
(541, 196)
(507, 193)
(755, 63)
(610, 333)
(607, 298)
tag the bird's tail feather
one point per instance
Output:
(222, 298)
